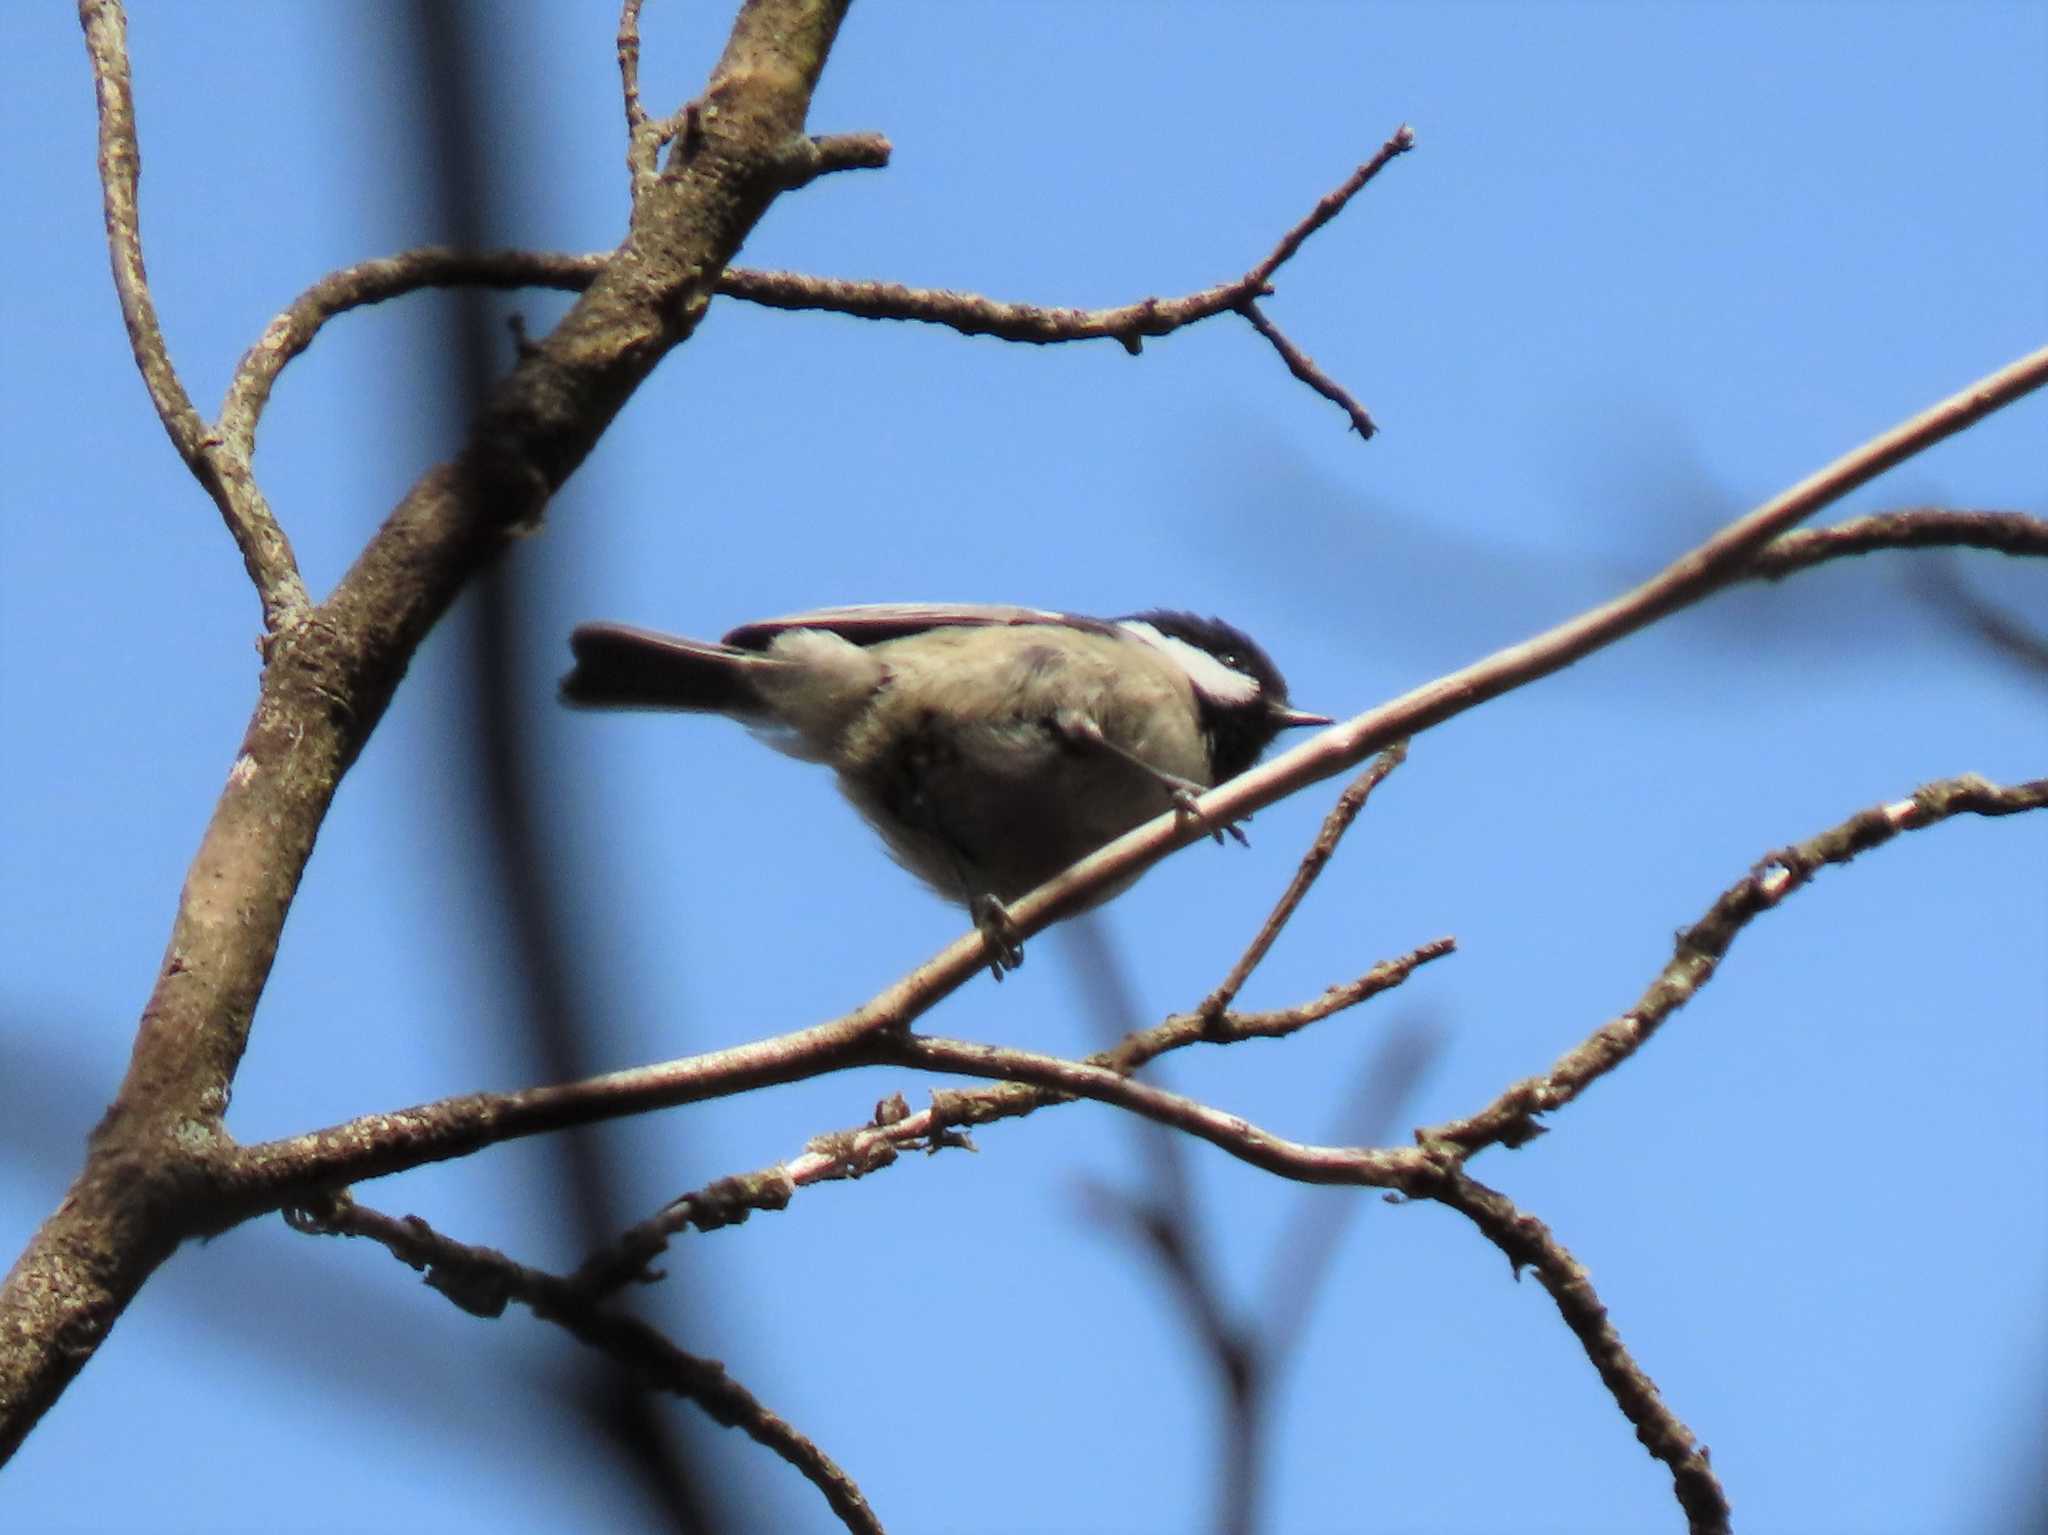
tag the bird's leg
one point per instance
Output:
(1083, 734)
(916, 760)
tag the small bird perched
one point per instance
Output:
(990, 746)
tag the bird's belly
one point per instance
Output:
(999, 815)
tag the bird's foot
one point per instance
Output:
(998, 933)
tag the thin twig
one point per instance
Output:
(223, 473)
(1510, 1120)
(1528, 1243)
(1303, 367)
(1332, 203)
(1335, 824)
(629, 77)
(482, 1281)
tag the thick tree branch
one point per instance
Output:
(482, 1281)
(329, 674)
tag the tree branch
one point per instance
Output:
(220, 470)
(2015, 533)
(1510, 1120)
(629, 88)
(1303, 367)
(482, 1280)
(254, 1179)
(386, 1144)
(971, 314)
(1433, 1169)
(862, 1149)
(1528, 1243)
(1722, 559)
(375, 282)
(1313, 862)
(1128, 324)
(330, 672)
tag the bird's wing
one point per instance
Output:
(870, 623)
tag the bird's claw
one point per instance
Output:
(1187, 802)
(998, 934)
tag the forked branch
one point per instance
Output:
(220, 469)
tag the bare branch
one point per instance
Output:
(629, 78)
(1723, 558)
(2014, 533)
(375, 282)
(222, 472)
(329, 673)
(1402, 1169)
(856, 1152)
(1128, 324)
(1335, 824)
(1038, 1079)
(1303, 367)
(482, 1281)
(1528, 1243)
(391, 277)
(830, 153)
(389, 1143)
(270, 1174)
(1331, 204)
(1510, 1120)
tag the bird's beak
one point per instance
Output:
(1287, 719)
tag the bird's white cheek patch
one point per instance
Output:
(1209, 675)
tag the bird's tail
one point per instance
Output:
(618, 667)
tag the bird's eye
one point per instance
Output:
(1232, 659)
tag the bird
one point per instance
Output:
(991, 746)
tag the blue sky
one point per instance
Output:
(1647, 265)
